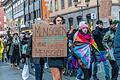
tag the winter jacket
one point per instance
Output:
(117, 45)
(13, 46)
(98, 35)
(108, 41)
(1, 49)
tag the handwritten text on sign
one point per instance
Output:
(49, 41)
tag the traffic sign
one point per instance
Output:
(93, 15)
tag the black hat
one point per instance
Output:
(99, 22)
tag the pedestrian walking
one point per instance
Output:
(5, 50)
(9, 42)
(98, 35)
(1, 49)
(83, 43)
(15, 51)
(108, 41)
(57, 64)
(71, 57)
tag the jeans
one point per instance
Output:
(39, 71)
(115, 69)
(106, 67)
(79, 72)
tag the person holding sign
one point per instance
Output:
(49, 41)
(56, 64)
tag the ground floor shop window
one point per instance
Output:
(79, 19)
(70, 22)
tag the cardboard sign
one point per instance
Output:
(49, 41)
(105, 8)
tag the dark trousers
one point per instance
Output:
(39, 71)
(15, 58)
(115, 69)
(87, 73)
(8, 56)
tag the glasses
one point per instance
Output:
(59, 20)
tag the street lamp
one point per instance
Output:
(98, 9)
(76, 2)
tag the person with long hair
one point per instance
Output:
(57, 64)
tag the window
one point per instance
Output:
(70, 22)
(32, 15)
(51, 8)
(26, 3)
(119, 15)
(79, 19)
(27, 17)
(69, 3)
(62, 4)
(56, 5)
(22, 1)
(37, 13)
(88, 17)
(31, 2)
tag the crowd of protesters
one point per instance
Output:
(84, 48)
(104, 50)
(15, 48)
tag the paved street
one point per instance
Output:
(8, 73)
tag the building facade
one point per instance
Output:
(21, 14)
(73, 15)
(1, 18)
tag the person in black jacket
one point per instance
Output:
(9, 42)
(98, 35)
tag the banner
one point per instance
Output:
(49, 41)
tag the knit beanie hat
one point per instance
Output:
(83, 25)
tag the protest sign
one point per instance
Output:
(49, 41)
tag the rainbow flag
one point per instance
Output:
(100, 53)
(83, 53)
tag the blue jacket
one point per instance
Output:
(117, 45)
